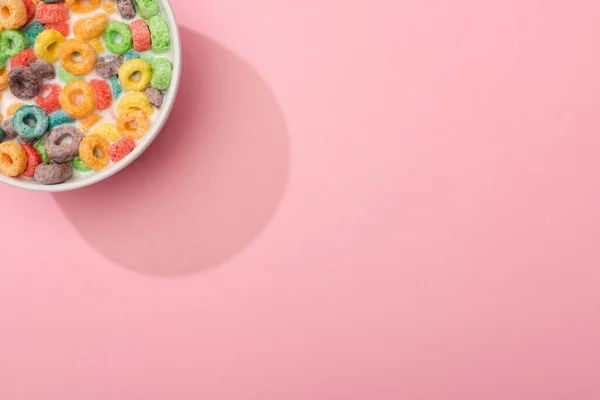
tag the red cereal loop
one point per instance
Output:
(33, 160)
(49, 102)
(141, 35)
(30, 7)
(62, 27)
(23, 58)
(103, 93)
(52, 13)
(119, 149)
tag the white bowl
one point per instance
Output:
(142, 145)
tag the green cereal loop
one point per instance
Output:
(159, 34)
(162, 69)
(147, 8)
(112, 32)
(2, 62)
(79, 165)
(66, 77)
(33, 30)
(29, 113)
(58, 118)
(1, 133)
(12, 42)
(41, 148)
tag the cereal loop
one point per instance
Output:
(13, 14)
(74, 92)
(141, 35)
(91, 27)
(87, 53)
(23, 59)
(90, 147)
(117, 37)
(47, 44)
(118, 150)
(4, 79)
(102, 92)
(52, 13)
(133, 123)
(136, 100)
(48, 99)
(108, 131)
(132, 69)
(33, 160)
(83, 6)
(12, 42)
(13, 159)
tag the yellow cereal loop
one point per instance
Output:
(13, 14)
(93, 151)
(13, 108)
(89, 122)
(109, 6)
(137, 100)
(77, 99)
(97, 43)
(86, 53)
(13, 159)
(91, 27)
(82, 6)
(133, 123)
(135, 75)
(108, 131)
(47, 44)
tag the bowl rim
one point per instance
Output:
(149, 137)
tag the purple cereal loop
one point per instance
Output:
(43, 69)
(126, 8)
(52, 174)
(23, 83)
(59, 153)
(108, 66)
(155, 97)
(30, 142)
(9, 129)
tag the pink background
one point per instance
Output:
(392, 199)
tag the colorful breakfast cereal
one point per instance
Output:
(84, 78)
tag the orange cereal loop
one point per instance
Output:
(109, 6)
(93, 151)
(13, 108)
(97, 44)
(13, 14)
(91, 27)
(83, 6)
(133, 123)
(4, 79)
(108, 131)
(68, 51)
(13, 159)
(77, 99)
(89, 122)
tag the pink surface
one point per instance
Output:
(387, 200)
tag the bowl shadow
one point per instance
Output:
(209, 183)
